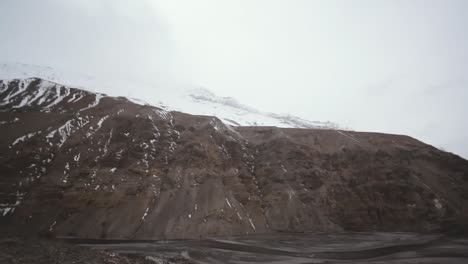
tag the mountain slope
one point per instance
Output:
(76, 163)
(185, 99)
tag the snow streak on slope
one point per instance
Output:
(183, 99)
(234, 113)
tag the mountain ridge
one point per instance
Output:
(75, 163)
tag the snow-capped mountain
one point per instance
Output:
(199, 101)
(83, 164)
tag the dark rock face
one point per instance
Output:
(75, 163)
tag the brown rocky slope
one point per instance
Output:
(75, 163)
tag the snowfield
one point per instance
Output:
(197, 101)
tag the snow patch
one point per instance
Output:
(52, 225)
(5, 211)
(162, 113)
(252, 224)
(58, 95)
(97, 99)
(67, 129)
(25, 137)
(227, 201)
(238, 215)
(145, 214)
(348, 136)
(283, 168)
(137, 101)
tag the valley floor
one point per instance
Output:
(370, 247)
(49, 251)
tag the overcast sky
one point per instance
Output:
(371, 65)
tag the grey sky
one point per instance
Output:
(387, 66)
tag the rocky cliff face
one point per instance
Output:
(75, 163)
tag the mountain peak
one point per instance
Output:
(198, 101)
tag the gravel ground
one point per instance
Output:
(46, 251)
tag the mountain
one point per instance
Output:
(84, 164)
(199, 101)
